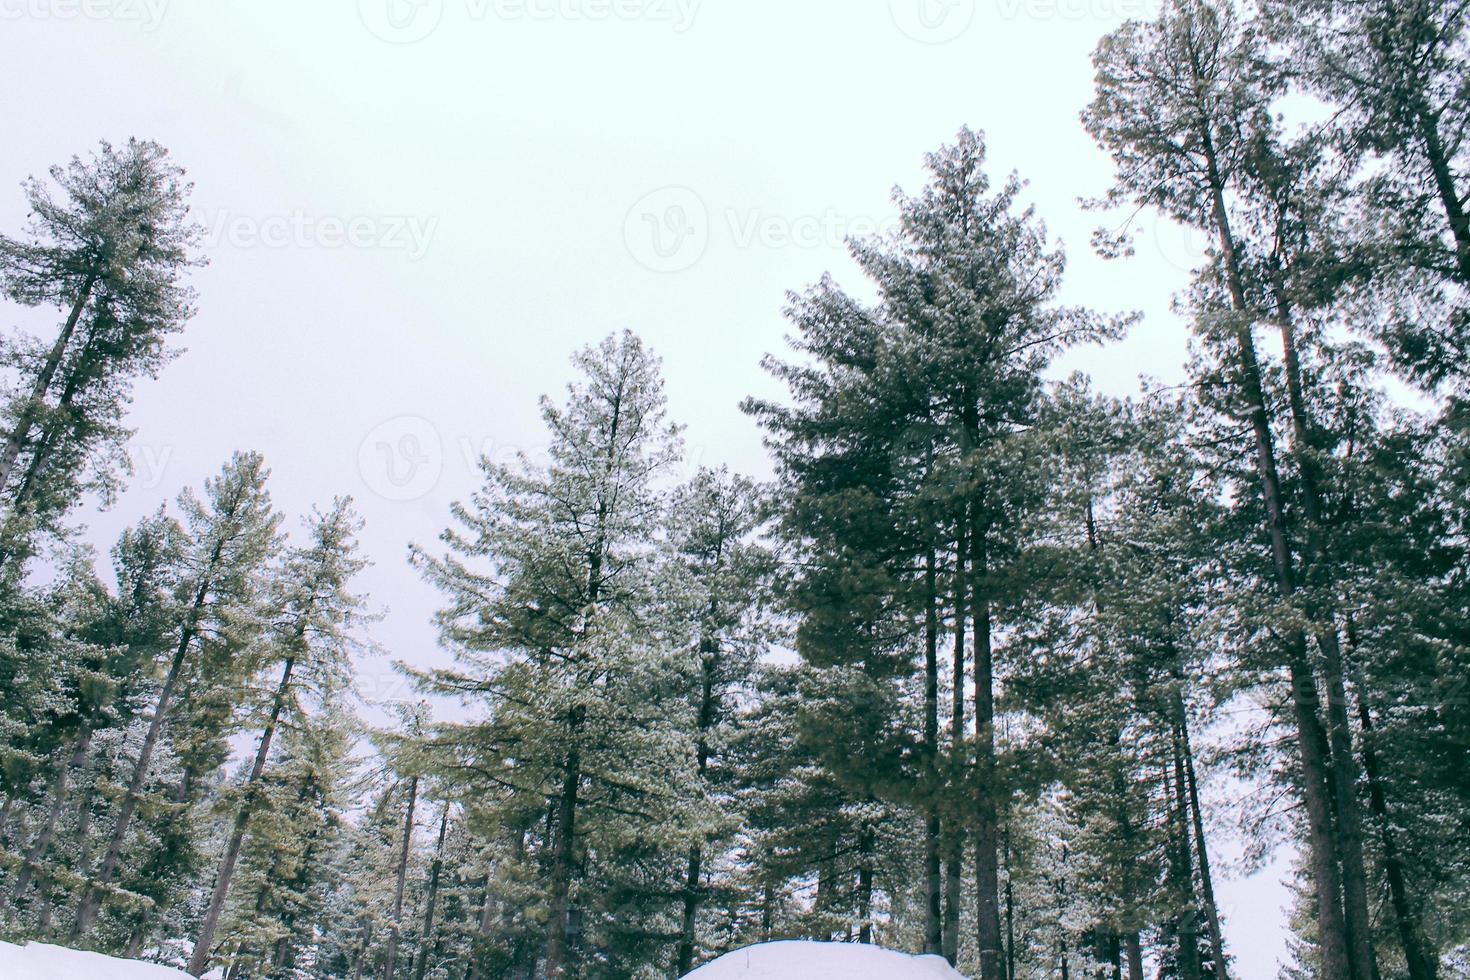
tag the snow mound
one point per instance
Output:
(36, 961)
(823, 961)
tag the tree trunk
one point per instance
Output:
(954, 864)
(1340, 739)
(1181, 872)
(1010, 892)
(204, 946)
(390, 965)
(1337, 962)
(987, 830)
(482, 931)
(16, 440)
(362, 949)
(426, 943)
(6, 809)
(1449, 194)
(1207, 884)
(865, 886)
(47, 833)
(1420, 964)
(708, 706)
(933, 866)
(563, 859)
(1135, 956)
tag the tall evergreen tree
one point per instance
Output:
(548, 582)
(227, 541)
(951, 360)
(109, 252)
(309, 644)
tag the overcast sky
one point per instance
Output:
(418, 208)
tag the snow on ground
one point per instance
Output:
(36, 961)
(823, 961)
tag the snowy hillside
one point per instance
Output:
(37, 961)
(823, 961)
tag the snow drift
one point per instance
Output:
(823, 961)
(36, 961)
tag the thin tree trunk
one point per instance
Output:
(204, 946)
(1449, 194)
(390, 965)
(47, 833)
(563, 859)
(482, 931)
(1207, 884)
(933, 865)
(1340, 739)
(865, 886)
(363, 945)
(987, 830)
(15, 441)
(1337, 961)
(1182, 870)
(708, 705)
(426, 943)
(954, 865)
(1420, 964)
(1010, 898)
(691, 910)
(1135, 956)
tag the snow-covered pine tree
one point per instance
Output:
(305, 656)
(722, 584)
(109, 252)
(226, 542)
(548, 577)
(287, 866)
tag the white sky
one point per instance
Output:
(419, 208)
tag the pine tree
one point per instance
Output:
(1393, 71)
(950, 360)
(226, 543)
(724, 576)
(548, 580)
(114, 640)
(1182, 104)
(309, 643)
(109, 252)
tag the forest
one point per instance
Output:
(958, 681)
